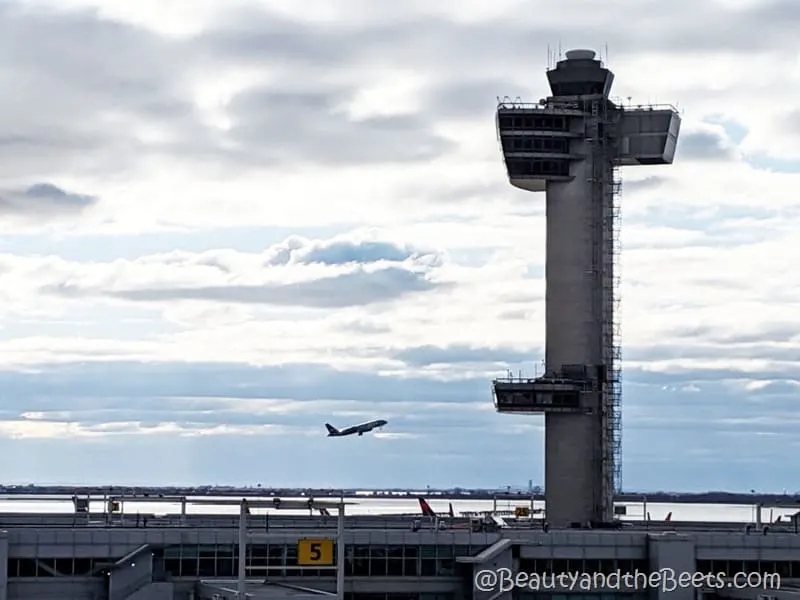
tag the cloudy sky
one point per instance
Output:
(223, 224)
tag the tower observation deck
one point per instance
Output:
(570, 146)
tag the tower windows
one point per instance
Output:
(519, 121)
(548, 145)
(533, 167)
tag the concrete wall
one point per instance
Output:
(57, 589)
(572, 464)
(648, 136)
(130, 576)
(502, 560)
(154, 591)
(369, 585)
(360, 585)
(636, 545)
(70, 522)
(116, 543)
(733, 546)
(3, 565)
(571, 332)
(673, 556)
(578, 544)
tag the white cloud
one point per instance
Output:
(246, 302)
(45, 429)
(396, 436)
(206, 183)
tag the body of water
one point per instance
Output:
(388, 506)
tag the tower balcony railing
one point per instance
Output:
(549, 104)
(626, 104)
(539, 395)
(510, 105)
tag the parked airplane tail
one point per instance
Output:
(669, 516)
(331, 429)
(452, 514)
(426, 509)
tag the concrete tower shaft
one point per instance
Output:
(569, 145)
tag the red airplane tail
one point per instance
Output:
(669, 516)
(426, 509)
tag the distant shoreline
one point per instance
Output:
(452, 494)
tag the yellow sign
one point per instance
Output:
(312, 552)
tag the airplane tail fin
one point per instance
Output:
(452, 514)
(331, 429)
(669, 516)
(426, 509)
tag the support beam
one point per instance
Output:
(340, 555)
(241, 588)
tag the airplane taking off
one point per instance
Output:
(359, 429)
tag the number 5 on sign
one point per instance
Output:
(315, 552)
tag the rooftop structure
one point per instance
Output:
(570, 145)
(202, 557)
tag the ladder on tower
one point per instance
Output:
(605, 243)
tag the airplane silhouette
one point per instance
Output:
(359, 429)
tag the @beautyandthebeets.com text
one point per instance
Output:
(666, 580)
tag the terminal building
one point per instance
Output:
(198, 557)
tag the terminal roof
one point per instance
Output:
(276, 503)
(260, 590)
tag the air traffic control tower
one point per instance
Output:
(570, 145)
